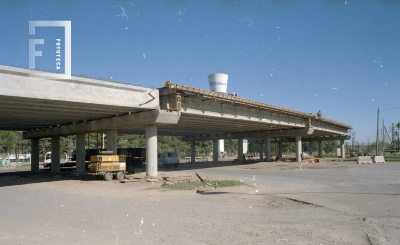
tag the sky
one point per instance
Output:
(340, 57)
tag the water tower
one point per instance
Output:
(218, 82)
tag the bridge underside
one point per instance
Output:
(25, 114)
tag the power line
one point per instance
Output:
(390, 109)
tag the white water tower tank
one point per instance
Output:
(218, 82)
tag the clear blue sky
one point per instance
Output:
(340, 57)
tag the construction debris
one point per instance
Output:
(130, 180)
(152, 180)
(199, 177)
(166, 182)
(207, 187)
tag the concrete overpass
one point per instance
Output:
(42, 106)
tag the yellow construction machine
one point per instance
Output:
(108, 165)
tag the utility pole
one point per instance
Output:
(377, 135)
(398, 135)
(383, 136)
(394, 144)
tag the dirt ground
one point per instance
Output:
(282, 203)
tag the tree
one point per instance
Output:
(131, 141)
(288, 147)
(44, 146)
(331, 146)
(309, 146)
(8, 138)
(21, 145)
(231, 146)
(204, 146)
(254, 146)
(67, 144)
(172, 143)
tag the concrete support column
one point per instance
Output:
(192, 151)
(151, 151)
(80, 154)
(261, 152)
(55, 154)
(35, 155)
(280, 150)
(215, 151)
(268, 149)
(342, 152)
(240, 150)
(298, 148)
(112, 140)
(320, 149)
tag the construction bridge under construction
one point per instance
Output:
(43, 106)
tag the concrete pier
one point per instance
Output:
(35, 155)
(320, 149)
(342, 151)
(240, 150)
(151, 151)
(112, 140)
(298, 148)
(261, 152)
(192, 151)
(268, 149)
(215, 151)
(55, 154)
(80, 154)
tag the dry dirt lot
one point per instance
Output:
(283, 203)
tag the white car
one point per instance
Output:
(168, 159)
(47, 160)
